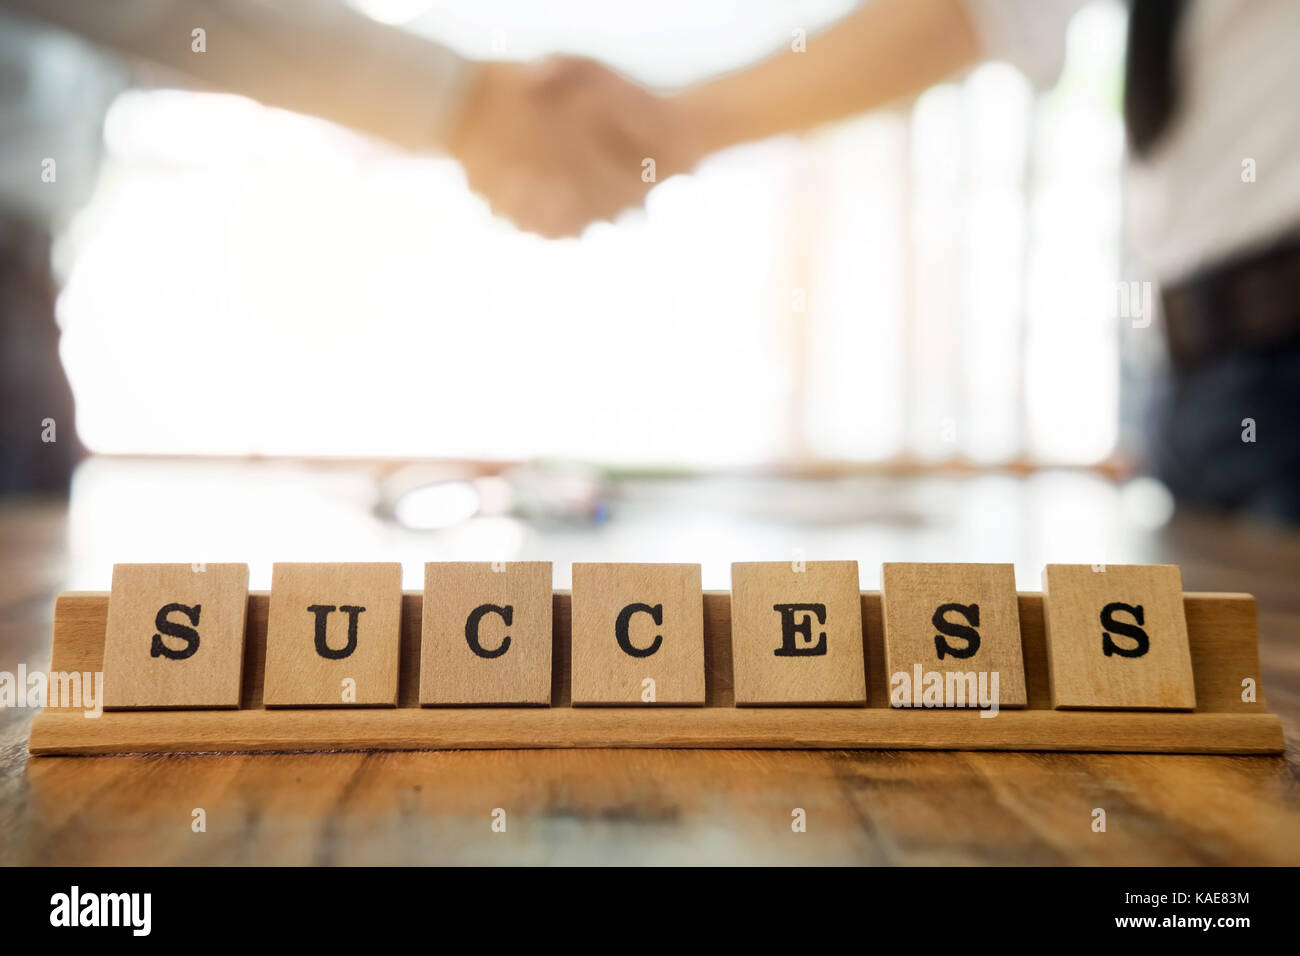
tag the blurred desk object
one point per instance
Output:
(599, 806)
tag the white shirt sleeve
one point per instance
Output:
(1028, 34)
(312, 56)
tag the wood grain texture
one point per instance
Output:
(510, 610)
(1117, 637)
(1221, 626)
(682, 806)
(796, 634)
(200, 608)
(982, 596)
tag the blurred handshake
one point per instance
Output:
(556, 145)
(553, 146)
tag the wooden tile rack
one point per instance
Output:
(1222, 630)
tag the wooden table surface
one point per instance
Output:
(660, 806)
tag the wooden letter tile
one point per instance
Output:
(175, 636)
(796, 635)
(959, 619)
(638, 634)
(332, 635)
(1117, 637)
(486, 634)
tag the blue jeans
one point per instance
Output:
(1199, 433)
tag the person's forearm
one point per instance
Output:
(320, 58)
(882, 52)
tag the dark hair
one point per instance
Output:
(1150, 72)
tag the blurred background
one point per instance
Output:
(899, 287)
(896, 339)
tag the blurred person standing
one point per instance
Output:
(54, 90)
(1214, 191)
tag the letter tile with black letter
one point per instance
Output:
(333, 633)
(796, 633)
(1117, 637)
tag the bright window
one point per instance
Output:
(924, 283)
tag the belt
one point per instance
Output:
(1249, 305)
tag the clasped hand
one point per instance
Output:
(557, 145)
